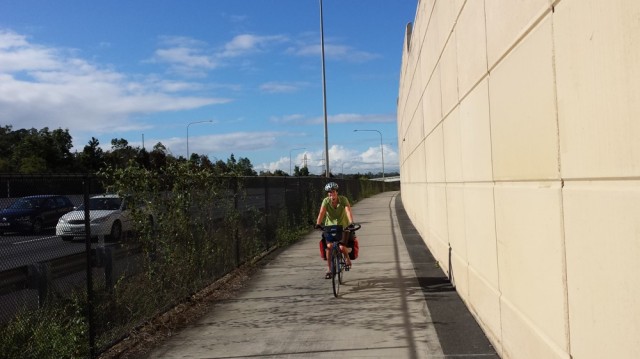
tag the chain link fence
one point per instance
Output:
(76, 275)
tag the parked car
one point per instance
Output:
(33, 213)
(109, 216)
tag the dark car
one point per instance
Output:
(33, 213)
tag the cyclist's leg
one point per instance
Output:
(328, 254)
(344, 248)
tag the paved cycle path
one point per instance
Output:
(396, 303)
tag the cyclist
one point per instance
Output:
(335, 210)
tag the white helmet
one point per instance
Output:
(330, 186)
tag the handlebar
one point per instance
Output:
(351, 228)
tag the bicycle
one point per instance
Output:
(333, 236)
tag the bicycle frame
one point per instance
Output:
(333, 236)
(338, 264)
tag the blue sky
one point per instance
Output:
(148, 69)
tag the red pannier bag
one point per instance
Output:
(323, 253)
(353, 244)
(355, 249)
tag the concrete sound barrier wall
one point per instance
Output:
(519, 139)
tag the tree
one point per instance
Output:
(158, 157)
(92, 156)
(242, 167)
(7, 141)
(121, 153)
(245, 168)
(33, 165)
(60, 159)
(276, 173)
(33, 151)
(220, 168)
(304, 171)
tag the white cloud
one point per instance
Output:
(342, 160)
(238, 141)
(49, 87)
(185, 56)
(246, 43)
(16, 54)
(332, 52)
(281, 87)
(294, 118)
(339, 118)
(354, 118)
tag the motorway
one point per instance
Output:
(17, 250)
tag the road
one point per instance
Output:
(18, 249)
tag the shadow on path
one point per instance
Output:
(459, 333)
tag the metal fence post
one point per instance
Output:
(87, 228)
(267, 228)
(104, 259)
(39, 279)
(236, 235)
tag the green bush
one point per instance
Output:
(51, 332)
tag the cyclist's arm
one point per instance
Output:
(323, 212)
(349, 213)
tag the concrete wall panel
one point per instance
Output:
(481, 232)
(413, 137)
(484, 288)
(531, 255)
(509, 20)
(452, 147)
(449, 77)
(484, 301)
(438, 227)
(457, 236)
(471, 46)
(432, 103)
(523, 339)
(418, 172)
(599, 96)
(475, 135)
(523, 116)
(435, 156)
(603, 247)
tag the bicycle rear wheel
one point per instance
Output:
(335, 271)
(341, 265)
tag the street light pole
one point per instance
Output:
(192, 123)
(293, 149)
(324, 97)
(381, 149)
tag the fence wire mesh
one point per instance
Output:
(77, 275)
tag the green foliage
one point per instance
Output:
(33, 151)
(52, 332)
(44, 151)
(301, 172)
(193, 225)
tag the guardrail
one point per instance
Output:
(40, 275)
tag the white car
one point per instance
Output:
(110, 216)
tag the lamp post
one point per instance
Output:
(324, 97)
(192, 123)
(381, 149)
(293, 149)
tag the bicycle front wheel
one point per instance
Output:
(341, 265)
(336, 272)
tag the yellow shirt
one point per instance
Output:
(336, 215)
